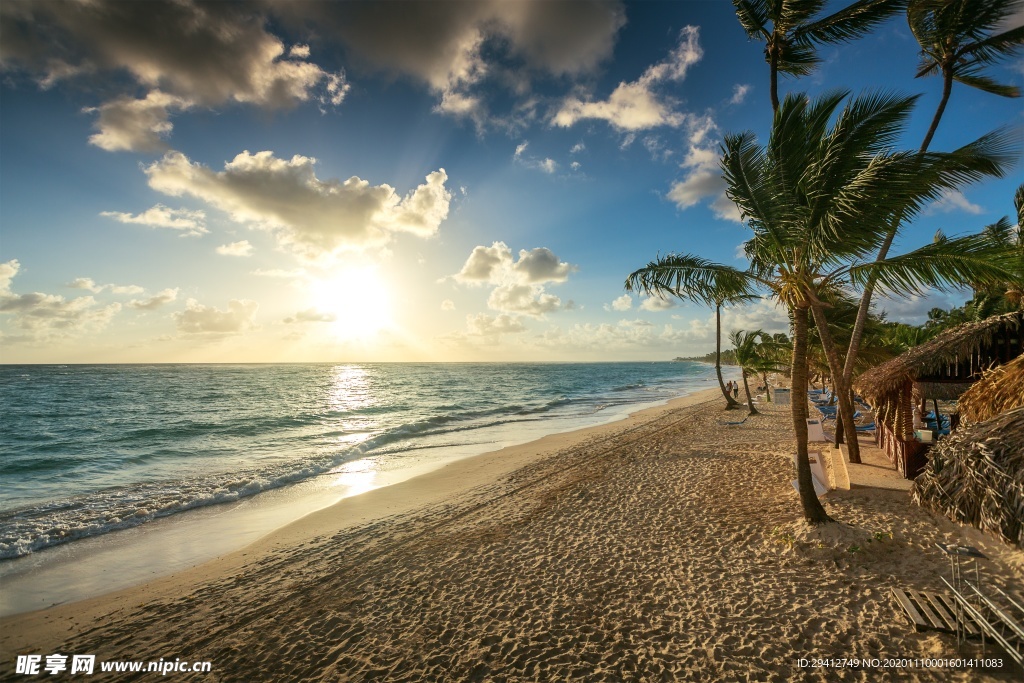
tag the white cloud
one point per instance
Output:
(546, 165)
(200, 319)
(520, 148)
(519, 284)
(913, 310)
(496, 265)
(954, 200)
(483, 325)
(657, 303)
(577, 148)
(525, 299)
(127, 124)
(635, 105)
(739, 93)
(312, 315)
(447, 305)
(299, 51)
(42, 316)
(190, 223)
(241, 248)
(575, 165)
(310, 215)
(703, 177)
(164, 296)
(623, 303)
(88, 284)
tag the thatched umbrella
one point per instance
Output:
(976, 476)
(1000, 389)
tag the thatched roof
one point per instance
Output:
(976, 476)
(935, 354)
(1000, 389)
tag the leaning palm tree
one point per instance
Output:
(716, 292)
(752, 358)
(818, 199)
(791, 29)
(958, 39)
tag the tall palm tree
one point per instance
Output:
(958, 40)
(791, 29)
(818, 199)
(716, 292)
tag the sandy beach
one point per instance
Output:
(667, 546)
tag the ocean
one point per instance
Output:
(86, 450)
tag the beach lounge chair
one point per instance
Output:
(827, 412)
(870, 427)
(727, 422)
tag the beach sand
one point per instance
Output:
(663, 547)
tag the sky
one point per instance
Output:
(401, 181)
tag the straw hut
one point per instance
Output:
(940, 369)
(976, 476)
(1000, 389)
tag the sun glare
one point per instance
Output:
(355, 301)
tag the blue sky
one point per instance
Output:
(299, 181)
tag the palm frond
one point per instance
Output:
(691, 277)
(851, 22)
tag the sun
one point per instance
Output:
(354, 300)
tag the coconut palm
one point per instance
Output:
(791, 29)
(818, 198)
(958, 39)
(716, 292)
(755, 354)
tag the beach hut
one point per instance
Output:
(976, 476)
(999, 390)
(943, 368)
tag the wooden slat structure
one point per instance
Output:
(931, 611)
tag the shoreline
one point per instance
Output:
(662, 545)
(82, 569)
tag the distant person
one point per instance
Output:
(735, 389)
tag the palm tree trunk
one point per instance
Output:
(750, 401)
(947, 89)
(774, 85)
(730, 402)
(814, 513)
(883, 251)
(767, 389)
(844, 420)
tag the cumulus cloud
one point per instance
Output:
(577, 148)
(457, 48)
(637, 105)
(624, 335)
(184, 53)
(88, 284)
(703, 177)
(41, 316)
(623, 303)
(164, 296)
(547, 165)
(190, 223)
(483, 325)
(954, 200)
(199, 319)
(657, 303)
(447, 305)
(519, 283)
(127, 124)
(309, 214)
(240, 248)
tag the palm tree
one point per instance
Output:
(818, 199)
(755, 354)
(791, 29)
(716, 292)
(958, 40)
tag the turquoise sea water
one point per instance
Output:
(86, 450)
